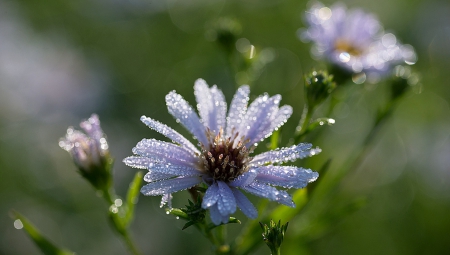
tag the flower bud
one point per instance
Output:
(273, 235)
(89, 151)
(225, 31)
(318, 86)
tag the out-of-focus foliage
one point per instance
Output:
(60, 61)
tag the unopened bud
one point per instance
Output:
(318, 86)
(89, 151)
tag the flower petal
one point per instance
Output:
(139, 162)
(211, 105)
(244, 204)
(211, 196)
(169, 186)
(226, 203)
(269, 192)
(216, 217)
(275, 121)
(258, 116)
(173, 169)
(244, 179)
(286, 176)
(238, 109)
(153, 176)
(169, 133)
(282, 155)
(185, 114)
(165, 151)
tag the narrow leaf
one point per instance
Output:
(45, 245)
(132, 197)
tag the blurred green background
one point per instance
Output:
(60, 61)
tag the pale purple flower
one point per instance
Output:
(222, 161)
(88, 149)
(353, 40)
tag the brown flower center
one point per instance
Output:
(225, 158)
(342, 45)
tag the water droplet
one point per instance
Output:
(118, 202)
(344, 57)
(18, 224)
(359, 78)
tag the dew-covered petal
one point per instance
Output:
(238, 109)
(169, 186)
(166, 199)
(139, 162)
(286, 176)
(282, 155)
(211, 196)
(92, 127)
(173, 169)
(185, 114)
(226, 202)
(165, 151)
(258, 116)
(169, 133)
(274, 122)
(211, 105)
(244, 179)
(153, 176)
(269, 192)
(244, 204)
(216, 217)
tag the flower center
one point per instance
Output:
(342, 45)
(225, 158)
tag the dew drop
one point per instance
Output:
(344, 57)
(18, 224)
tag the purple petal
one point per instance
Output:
(258, 116)
(244, 179)
(169, 133)
(152, 176)
(226, 203)
(165, 151)
(286, 176)
(269, 192)
(282, 155)
(215, 215)
(211, 196)
(211, 105)
(244, 204)
(169, 186)
(138, 162)
(238, 109)
(173, 169)
(185, 114)
(274, 122)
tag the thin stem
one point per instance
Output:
(109, 196)
(302, 128)
(130, 244)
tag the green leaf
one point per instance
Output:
(132, 197)
(179, 213)
(46, 246)
(188, 224)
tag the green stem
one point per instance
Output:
(302, 128)
(109, 196)
(131, 246)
